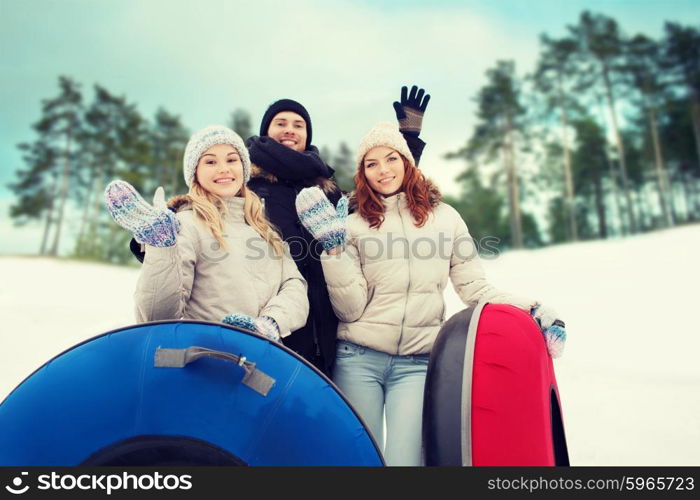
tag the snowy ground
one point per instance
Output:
(629, 379)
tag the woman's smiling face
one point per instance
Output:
(384, 170)
(220, 171)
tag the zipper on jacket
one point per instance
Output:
(408, 286)
(316, 343)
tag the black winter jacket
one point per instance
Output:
(316, 340)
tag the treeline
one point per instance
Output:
(81, 146)
(602, 138)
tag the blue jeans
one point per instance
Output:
(374, 381)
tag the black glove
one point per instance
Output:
(409, 112)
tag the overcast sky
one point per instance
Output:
(344, 60)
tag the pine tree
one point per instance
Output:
(642, 68)
(554, 69)
(117, 142)
(481, 207)
(600, 43)
(241, 123)
(681, 154)
(590, 164)
(499, 113)
(58, 126)
(681, 58)
(325, 154)
(36, 187)
(168, 138)
(344, 165)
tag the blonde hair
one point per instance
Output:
(210, 208)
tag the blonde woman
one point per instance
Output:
(213, 256)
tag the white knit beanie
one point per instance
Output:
(206, 138)
(383, 134)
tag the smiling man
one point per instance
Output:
(289, 129)
(283, 163)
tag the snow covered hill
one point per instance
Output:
(629, 378)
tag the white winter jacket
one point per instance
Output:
(387, 286)
(196, 279)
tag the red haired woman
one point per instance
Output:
(386, 267)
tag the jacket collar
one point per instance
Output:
(394, 201)
(234, 205)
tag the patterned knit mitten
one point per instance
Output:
(325, 223)
(555, 336)
(154, 225)
(264, 325)
(410, 111)
(554, 329)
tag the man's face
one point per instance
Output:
(289, 129)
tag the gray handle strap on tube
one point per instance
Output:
(257, 380)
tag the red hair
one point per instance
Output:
(415, 186)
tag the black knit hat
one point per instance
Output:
(286, 105)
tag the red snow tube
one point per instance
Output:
(491, 396)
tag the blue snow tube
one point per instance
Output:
(181, 393)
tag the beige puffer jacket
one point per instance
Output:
(387, 286)
(196, 279)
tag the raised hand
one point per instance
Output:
(153, 225)
(410, 110)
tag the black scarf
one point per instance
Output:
(285, 163)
